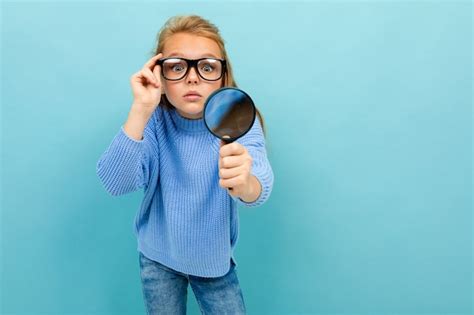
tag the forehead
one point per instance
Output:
(191, 46)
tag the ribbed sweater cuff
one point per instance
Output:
(266, 181)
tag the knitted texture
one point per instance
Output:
(186, 221)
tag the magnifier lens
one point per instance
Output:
(229, 113)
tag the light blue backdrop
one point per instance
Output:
(368, 107)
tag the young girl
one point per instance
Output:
(188, 224)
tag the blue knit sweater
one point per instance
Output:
(186, 220)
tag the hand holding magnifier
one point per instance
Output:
(229, 113)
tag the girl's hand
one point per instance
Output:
(146, 85)
(235, 164)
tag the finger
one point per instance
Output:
(226, 173)
(152, 76)
(230, 161)
(233, 148)
(139, 78)
(136, 76)
(149, 76)
(230, 182)
(157, 71)
(151, 63)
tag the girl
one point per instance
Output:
(187, 225)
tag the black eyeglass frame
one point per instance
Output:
(192, 63)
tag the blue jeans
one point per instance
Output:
(165, 290)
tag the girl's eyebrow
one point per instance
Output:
(175, 54)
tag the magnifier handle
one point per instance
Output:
(227, 141)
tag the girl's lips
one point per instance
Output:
(192, 97)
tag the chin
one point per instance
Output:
(192, 109)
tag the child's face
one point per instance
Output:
(191, 47)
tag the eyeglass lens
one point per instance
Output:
(176, 68)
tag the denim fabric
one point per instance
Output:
(165, 290)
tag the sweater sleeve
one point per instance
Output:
(254, 142)
(126, 164)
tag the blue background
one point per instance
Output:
(368, 107)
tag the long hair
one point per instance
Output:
(196, 25)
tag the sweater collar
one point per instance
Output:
(193, 125)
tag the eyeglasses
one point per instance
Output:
(174, 69)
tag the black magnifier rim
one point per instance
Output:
(228, 140)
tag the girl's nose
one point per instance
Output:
(192, 76)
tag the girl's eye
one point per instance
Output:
(177, 68)
(207, 68)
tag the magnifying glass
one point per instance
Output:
(229, 113)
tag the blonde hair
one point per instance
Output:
(196, 25)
